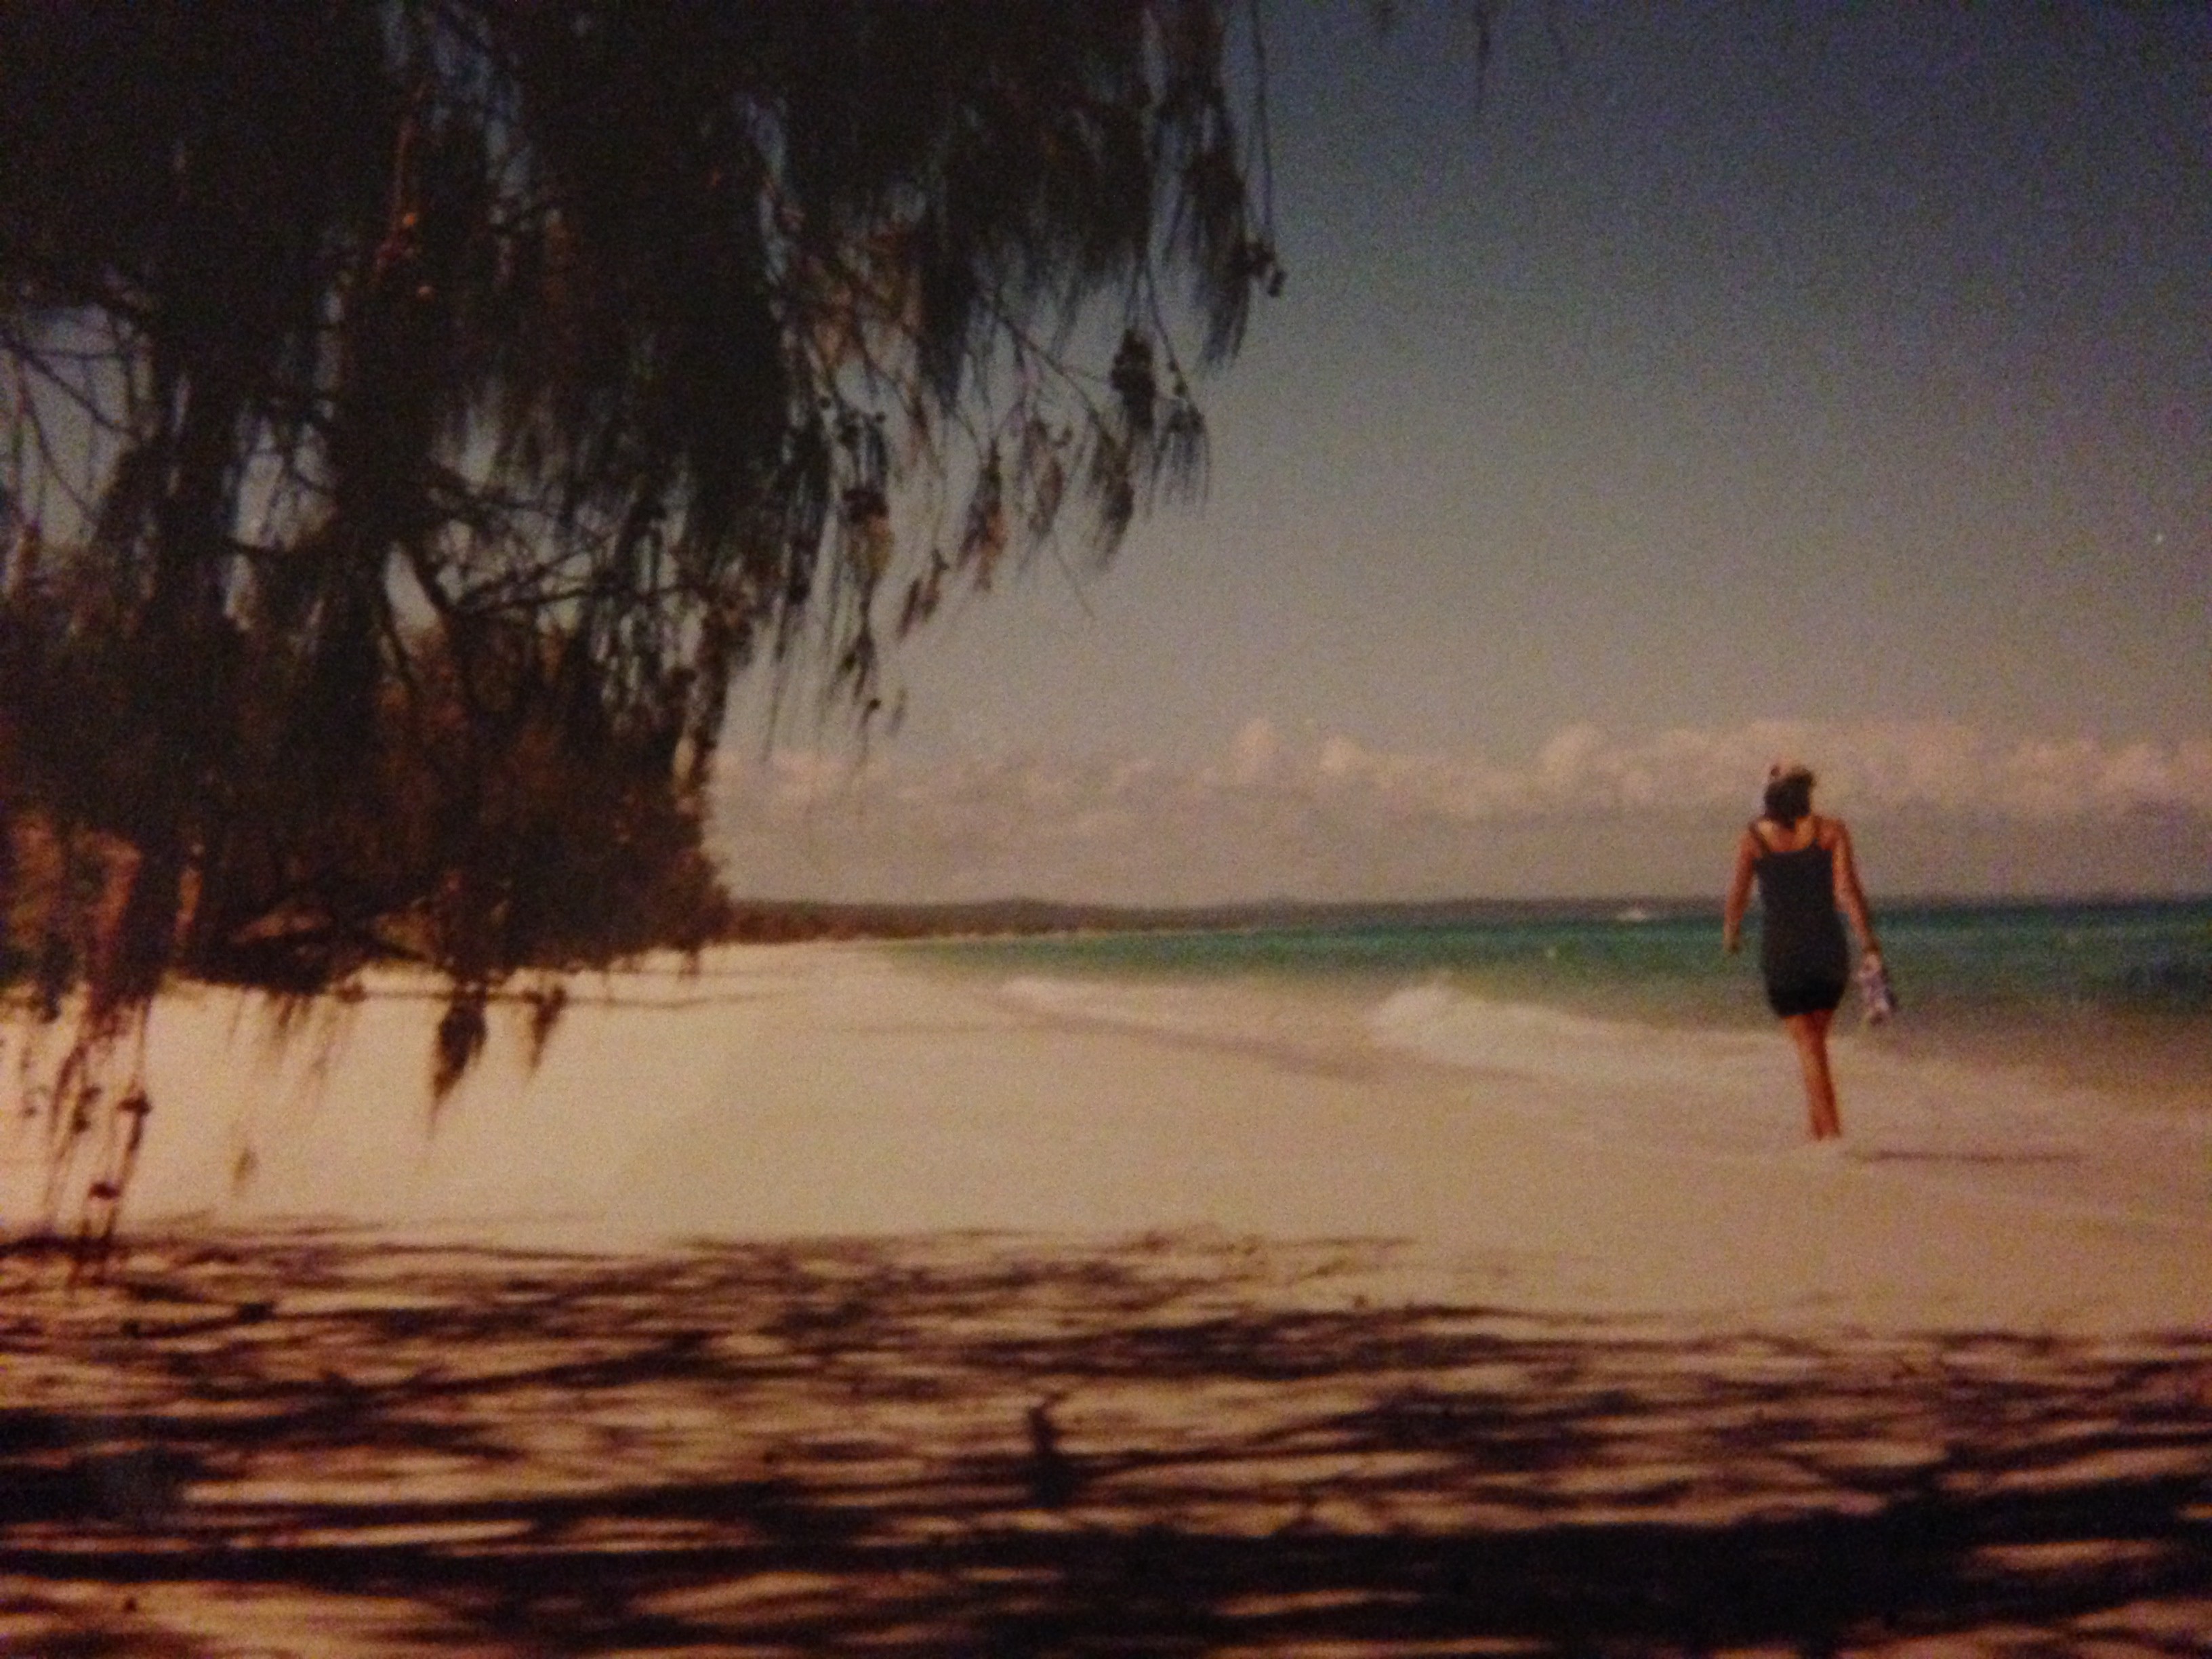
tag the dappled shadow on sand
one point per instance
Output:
(317, 1444)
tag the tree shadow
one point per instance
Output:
(1017, 1446)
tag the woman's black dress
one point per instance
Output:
(1801, 951)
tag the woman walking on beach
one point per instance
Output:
(1803, 865)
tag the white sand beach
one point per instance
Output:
(826, 1300)
(828, 1091)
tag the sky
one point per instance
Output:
(1694, 385)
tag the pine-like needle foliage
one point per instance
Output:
(419, 411)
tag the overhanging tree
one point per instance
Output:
(420, 411)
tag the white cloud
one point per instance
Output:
(1255, 753)
(1334, 817)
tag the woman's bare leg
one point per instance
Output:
(1809, 1032)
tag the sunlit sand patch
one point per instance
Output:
(156, 1620)
(2151, 1627)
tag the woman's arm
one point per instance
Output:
(1851, 896)
(1739, 893)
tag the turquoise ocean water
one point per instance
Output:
(2059, 1049)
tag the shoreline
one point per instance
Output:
(833, 1090)
(822, 1302)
